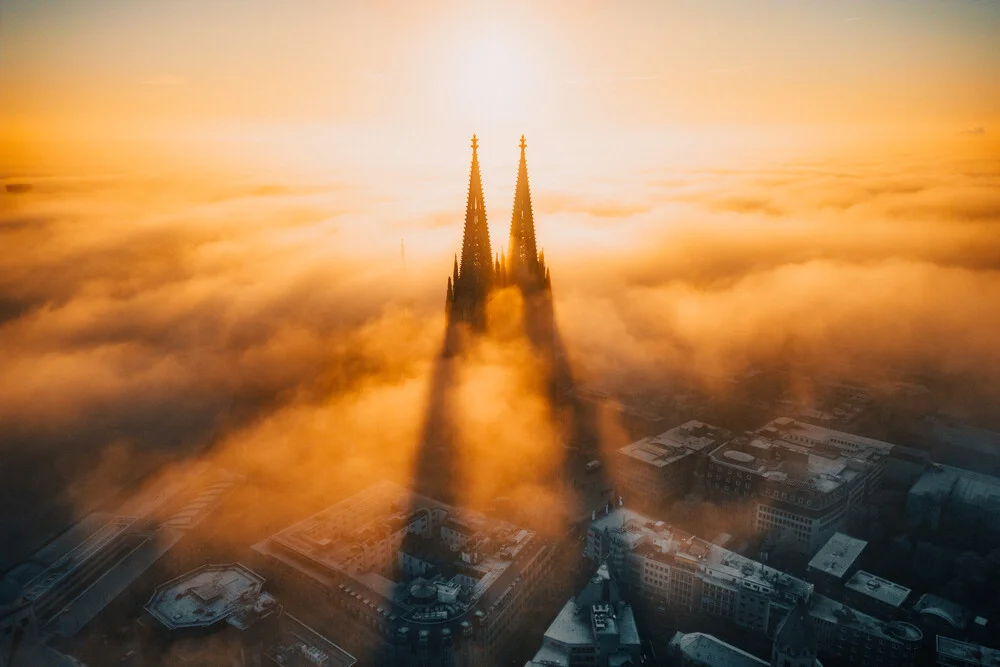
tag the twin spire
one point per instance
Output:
(477, 258)
(480, 272)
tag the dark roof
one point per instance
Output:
(795, 633)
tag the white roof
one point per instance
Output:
(877, 588)
(711, 651)
(837, 556)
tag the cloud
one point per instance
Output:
(267, 321)
(551, 203)
(977, 131)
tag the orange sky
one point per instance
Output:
(408, 82)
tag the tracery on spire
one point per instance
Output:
(523, 266)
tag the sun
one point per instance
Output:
(492, 76)
(492, 82)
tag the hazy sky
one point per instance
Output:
(221, 188)
(386, 73)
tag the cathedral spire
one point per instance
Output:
(474, 277)
(522, 256)
(477, 258)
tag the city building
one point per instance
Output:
(794, 645)
(955, 653)
(298, 645)
(210, 596)
(847, 636)
(953, 441)
(875, 595)
(906, 465)
(408, 577)
(697, 649)
(835, 562)
(250, 627)
(690, 575)
(941, 614)
(795, 642)
(71, 579)
(661, 467)
(594, 628)
(797, 481)
(962, 505)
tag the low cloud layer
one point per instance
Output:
(277, 327)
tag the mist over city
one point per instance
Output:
(499, 334)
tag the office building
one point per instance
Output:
(798, 482)
(835, 562)
(411, 578)
(595, 628)
(690, 575)
(663, 467)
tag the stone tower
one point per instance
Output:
(525, 266)
(473, 278)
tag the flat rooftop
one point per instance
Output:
(838, 555)
(657, 540)
(704, 649)
(834, 612)
(948, 611)
(958, 485)
(883, 590)
(299, 644)
(681, 441)
(968, 654)
(327, 544)
(727, 566)
(822, 459)
(71, 579)
(204, 597)
(67, 565)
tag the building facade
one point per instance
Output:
(414, 580)
(798, 482)
(658, 468)
(594, 629)
(959, 505)
(688, 575)
(836, 562)
(850, 637)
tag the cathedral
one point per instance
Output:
(480, 272)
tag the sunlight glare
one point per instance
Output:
(492, 82)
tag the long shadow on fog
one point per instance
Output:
(437, 467)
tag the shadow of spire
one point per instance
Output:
(436, 467)
(440, 459)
